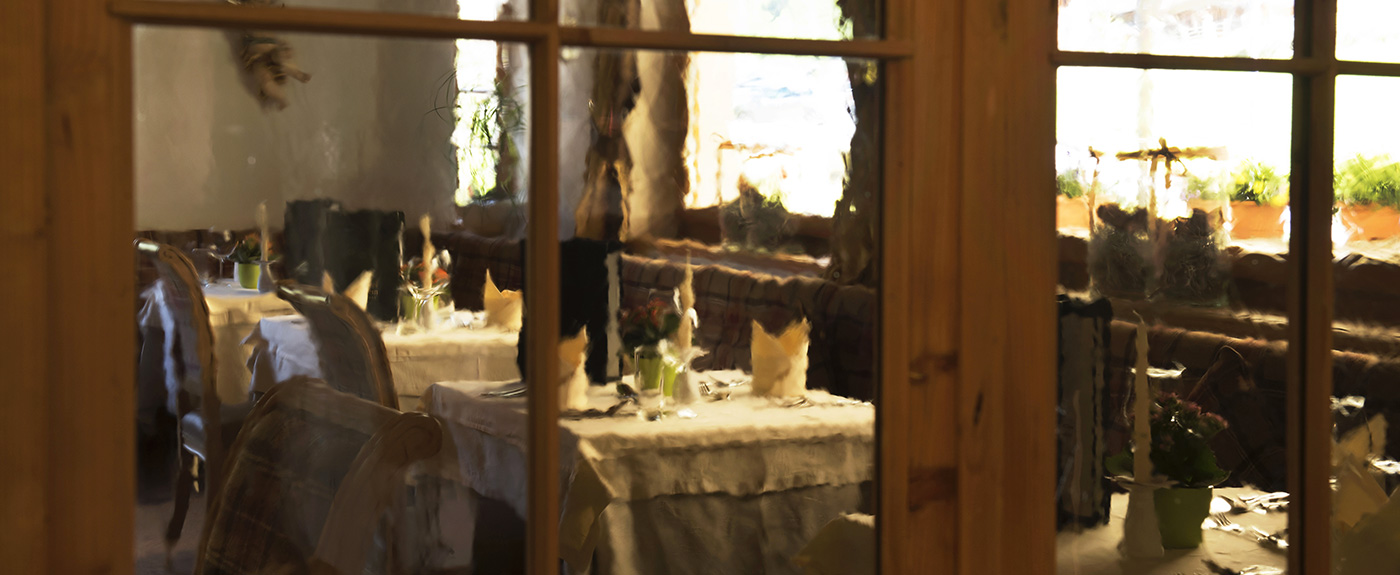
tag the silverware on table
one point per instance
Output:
(516, 389)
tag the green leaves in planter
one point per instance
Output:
(247, 251)
(1069, 185)
(1251, 181)
(1181, 434)
(1366, 181)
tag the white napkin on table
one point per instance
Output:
(357, 291)
(504, 309)
(573, 381)
(780, 363)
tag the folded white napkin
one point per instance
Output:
(573, 381)
(780, 363)
(357, 291)
(504, 309)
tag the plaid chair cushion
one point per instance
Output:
(472, 256)
(279, 488)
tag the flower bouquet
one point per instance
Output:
(646, 333)
(247, 257)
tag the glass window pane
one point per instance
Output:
(1365, 347)
(1239, 28)
(761, 172)
(1173, 258)
(1364, 33)
(804, 19)
(337, 177)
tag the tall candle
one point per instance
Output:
(428, 264)
(262, 231)
(685, 333)
(1142, 411)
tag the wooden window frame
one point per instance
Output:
(967, 314)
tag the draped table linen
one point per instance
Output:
(1095, 551)
(281, 347)
(740, 488)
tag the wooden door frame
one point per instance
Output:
(968, 278)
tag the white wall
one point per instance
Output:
(361, 131)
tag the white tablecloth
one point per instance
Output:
(739, 489)
(282, 348)
(233, 313)
(1095, 551)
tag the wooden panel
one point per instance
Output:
(89, 275)
(920, 292)
(542, 301)
(1310, 295)
(23, 232)
(1007, 274)
(681, 42)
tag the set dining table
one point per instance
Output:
(282, 347)
(740, 484)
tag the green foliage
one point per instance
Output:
(1069, 184)
(1259, 183)
(247, 251)
(1181, 433)
(494, 125)
(648, 325)
(1367, 181)
(1251, 181)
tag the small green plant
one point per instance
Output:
(1181, 434)
(494, 125)
(247, 251)
(1366, 181)
(1251, 181)
(1069, 184)
(1259, 183)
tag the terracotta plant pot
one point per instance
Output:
(1071, 213)
(1252, 220)
(1371, 222)
(1180, 512)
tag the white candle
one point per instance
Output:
(1142, 412)
(262, 231)
(685, 334)
(428, 264)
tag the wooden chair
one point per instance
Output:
(206, 426)
(348, 344)
(309, 478)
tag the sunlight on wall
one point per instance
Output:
(783, 122)
(475, 68)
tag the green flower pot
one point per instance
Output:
(408, 309)
(1180, 512)
(653, 372)
(247, 274)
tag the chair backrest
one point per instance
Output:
(348, 345)
(309, 477)
(188, 313)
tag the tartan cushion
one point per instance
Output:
(842, 352)
(472, 256)
(278, 491)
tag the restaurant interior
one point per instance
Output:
(445, 287)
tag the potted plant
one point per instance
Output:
(1071, 205)
(755, 220)
(1255, 192)
(1181, 434)
(491, 156)
(645, 334)
(1368, 189)
(246, 257)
